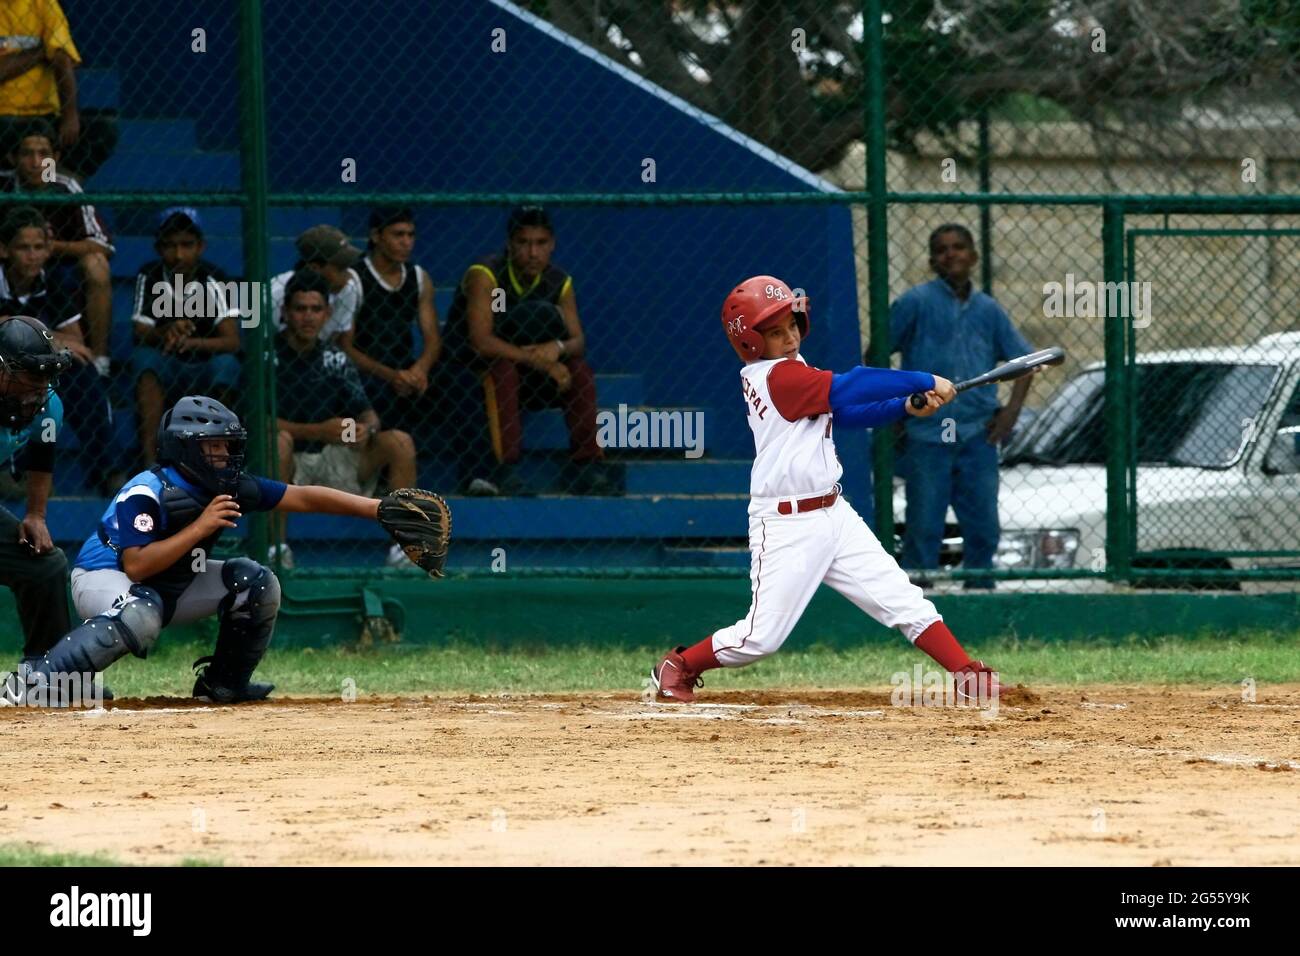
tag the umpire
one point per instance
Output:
(31, 416)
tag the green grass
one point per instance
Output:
(465, 668)
(21, 855)
(12, 854)
(15, 855)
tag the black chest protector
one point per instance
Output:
(180, 509)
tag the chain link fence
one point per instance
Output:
(1217, 397)
(495, 271)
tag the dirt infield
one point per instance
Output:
(1104, 775)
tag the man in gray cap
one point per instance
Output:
(325, 249)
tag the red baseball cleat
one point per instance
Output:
(976, 683)
(673, 680)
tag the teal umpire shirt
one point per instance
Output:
(12, 443)
(938, 332)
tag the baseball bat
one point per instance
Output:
(1005, 372)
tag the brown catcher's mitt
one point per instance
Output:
(420, 522)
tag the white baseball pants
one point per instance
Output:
(93, 593)
(792, 555)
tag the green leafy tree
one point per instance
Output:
(789, 73)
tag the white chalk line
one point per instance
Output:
(1275, 706)
(668, 715)
(1237, 760)
(750, 713)
(1227, 760)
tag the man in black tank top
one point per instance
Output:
(433, 401)
(515, 321)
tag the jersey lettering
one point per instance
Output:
(752, 398)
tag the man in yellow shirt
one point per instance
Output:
(38, 80)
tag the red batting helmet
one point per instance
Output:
(751, 305)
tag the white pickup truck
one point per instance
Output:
(1218, 436)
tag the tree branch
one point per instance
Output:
(659, 43)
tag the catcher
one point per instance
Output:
(147, 566)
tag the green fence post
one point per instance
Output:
(986, 211)
(1119, 450)
(1130, 422)
(260, 401)
(878, 257)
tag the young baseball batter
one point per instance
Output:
(801, 532)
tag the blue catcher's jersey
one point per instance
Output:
(48, 422)
(135, 517)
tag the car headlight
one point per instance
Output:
(1037, 549)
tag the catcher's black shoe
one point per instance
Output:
(208, 686)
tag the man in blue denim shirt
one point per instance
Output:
(959, 332)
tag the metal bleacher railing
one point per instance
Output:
(657, 206)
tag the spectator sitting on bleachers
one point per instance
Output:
(328, 433)
(38, 80)
(433, 401)
(176, 354)
(515, 318)
(326, 250)
(79, 244)
(395, 297)
(26, 289)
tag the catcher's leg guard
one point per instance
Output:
(247, 615)
(131, 626)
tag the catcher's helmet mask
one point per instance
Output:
(753, 304)
(27, 351)
(183, 429)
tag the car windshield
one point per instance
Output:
(1189, 413)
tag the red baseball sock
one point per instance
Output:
(939, 642)
(700, 657)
